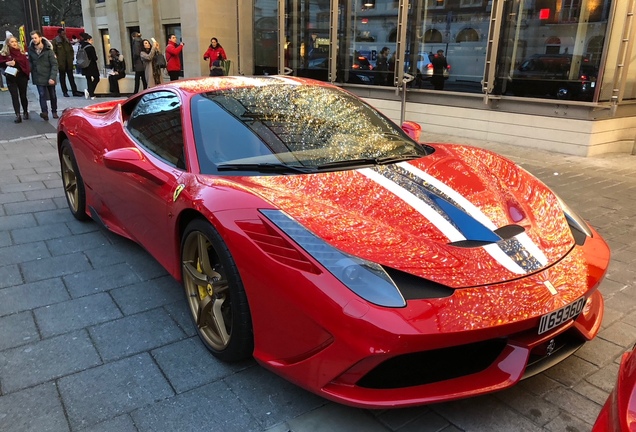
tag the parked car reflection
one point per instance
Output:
(549, 74)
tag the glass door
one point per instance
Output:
(367, 43)
(307, 38)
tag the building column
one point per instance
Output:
(202, 20)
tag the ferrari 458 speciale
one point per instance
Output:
(316, 235)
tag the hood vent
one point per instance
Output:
(505, 233)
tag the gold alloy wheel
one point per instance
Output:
(69, 179)
(207, 291)
(72, 182)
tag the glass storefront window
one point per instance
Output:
(450, 36)
(546, 49)
(367, 41)
(306, 47)
(265, 37)
(552, 48)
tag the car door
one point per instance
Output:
(141, 180)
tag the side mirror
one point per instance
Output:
(412, 129)
(131, 160)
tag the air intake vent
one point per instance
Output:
(276, 246)
(433, 366)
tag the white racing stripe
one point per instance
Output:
(421, 207)
(444, 225)
(475, 212)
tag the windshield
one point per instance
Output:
(304, 128)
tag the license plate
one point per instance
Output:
(558, 317)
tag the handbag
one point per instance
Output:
(10, 70)
(160, 60)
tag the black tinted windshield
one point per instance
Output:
(283, 124)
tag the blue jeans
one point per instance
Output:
(43, 92)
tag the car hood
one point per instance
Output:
(461, 216)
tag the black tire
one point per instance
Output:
(72, 182)
(215, 294)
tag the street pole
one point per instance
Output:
(32, 15)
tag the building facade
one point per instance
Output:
(551, 74)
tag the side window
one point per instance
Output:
(156, 124)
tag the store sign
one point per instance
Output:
(46, 19)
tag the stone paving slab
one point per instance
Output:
(107, 391)
(95, 336)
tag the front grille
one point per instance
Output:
(542, 358)
(427, 367)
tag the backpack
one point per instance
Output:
(81, 59)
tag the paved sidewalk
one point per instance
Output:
(94, 334)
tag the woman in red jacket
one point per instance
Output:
(173, 61)
(216, 54)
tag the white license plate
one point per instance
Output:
(558, 317)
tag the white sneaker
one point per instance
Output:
(86, 95)
(93, 98)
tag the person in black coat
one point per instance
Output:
(117, 72)
(91, 72)
(65, 55)
(138, 65)
(439, 66)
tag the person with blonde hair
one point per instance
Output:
(16, 67)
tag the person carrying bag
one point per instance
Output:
(217, 57)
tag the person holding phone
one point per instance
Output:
(173, 59)
(14, 60)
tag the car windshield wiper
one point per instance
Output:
(368, 161)
(265, 167)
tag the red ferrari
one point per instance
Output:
(312, 233)
(619, 412)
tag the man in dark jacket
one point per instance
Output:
(64, 52)
(43, 72)
(138, 64)
(439, 66)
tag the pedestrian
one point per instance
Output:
(43, 72)
(91, 72)
(76, 44)
(65, 56)
(14, 62)
(138, 65)
(148, 53)
(173, 52)
(2, 86)
(439, 67)
(216, 55)
(117, 72)
(382, 66)
(158, 64)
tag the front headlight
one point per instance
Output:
(365, 278)
(574, 220)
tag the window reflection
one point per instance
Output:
(265, 37)
(293, 124)
(564, 37)
(552, 48)
(156, 124)
(367, 45)
(459, 29)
